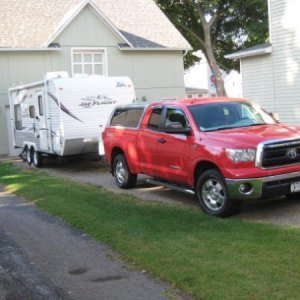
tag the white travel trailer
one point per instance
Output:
(64, 116)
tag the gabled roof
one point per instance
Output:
(253, 51)
(140, 24)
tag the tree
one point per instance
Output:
(218, 27)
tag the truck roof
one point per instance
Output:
(195, 101)
(184, 102)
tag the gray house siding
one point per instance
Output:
(155, 74)
(257, 78)
(276, 77)
(285, 33)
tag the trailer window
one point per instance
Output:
(18, 117)
(32, 111)
(41, 106)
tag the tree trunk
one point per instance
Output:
(212, 60)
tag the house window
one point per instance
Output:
(89, 61)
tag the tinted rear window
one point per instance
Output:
(127, 117)
(154, 121)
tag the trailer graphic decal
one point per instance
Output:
(121, 84)
(63, 108)
(92, 101)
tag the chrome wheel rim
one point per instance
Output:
(35, 159)
(28, 156)
(213, 194)
(120, 172)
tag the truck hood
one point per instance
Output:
(251, 136)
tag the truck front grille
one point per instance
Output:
(280, 153)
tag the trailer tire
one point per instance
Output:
(28, 152)
(211, 192)
(23, 154)
(37, 159)
(124, 178)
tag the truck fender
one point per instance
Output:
(199, 166)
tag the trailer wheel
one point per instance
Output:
(28, 155)
(124, 178)
(37, 159)
(212, 195)
(23, 154)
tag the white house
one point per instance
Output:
(104, 37)
(271, 72)
(199, 80)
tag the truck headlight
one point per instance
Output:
(241, 155)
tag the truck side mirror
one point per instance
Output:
(177, 128)
(275, 116)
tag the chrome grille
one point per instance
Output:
(278, 153)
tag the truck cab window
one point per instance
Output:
(119, 117)
(154, 121)
(128, 117)
(133, 117)
(176, 115)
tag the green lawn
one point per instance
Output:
(206, 257)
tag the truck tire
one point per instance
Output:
(212, 195)
(28, 153)
(37, 159)
(124, 178)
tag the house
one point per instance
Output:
(271, 72)
(198, 78)
(194, 92)
(116, 38)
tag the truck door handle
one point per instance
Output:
(162, 141)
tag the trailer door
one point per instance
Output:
(41, 118)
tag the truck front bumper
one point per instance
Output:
(255, 188)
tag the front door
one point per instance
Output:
(148, 142)
(174, 150)
(42, 121)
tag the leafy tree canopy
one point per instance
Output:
(235, 25)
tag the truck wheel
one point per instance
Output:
(212, 195)
(124, 178)
(37, 159)
(28, 156)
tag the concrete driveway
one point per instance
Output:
(43, 258)
(280, 211)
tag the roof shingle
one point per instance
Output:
(31, 23)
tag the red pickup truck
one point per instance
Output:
(222, 150)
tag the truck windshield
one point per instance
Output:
(226, 115)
